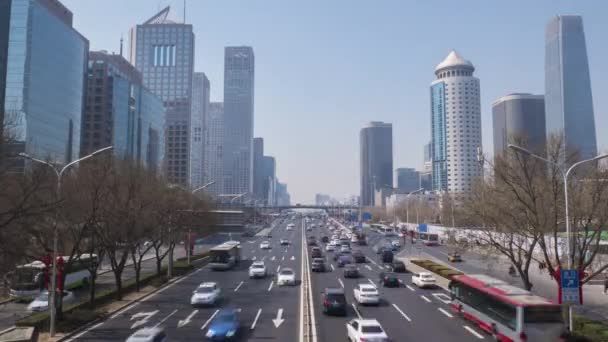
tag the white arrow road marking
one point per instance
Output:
(255, 320)
(166, 318)
(446, 313)
(368, 267)
(357, 311)
(209, 320)
(423, 297)
(146, 316)
(279, 320)
(273, 258)
(341, 283)
(410, 288)
(251, 241)
(442, 297)
(293, 257)
(402, 313)
(270, 287)
(283, 258)
(479, 336)
(238, 286)
(188, 319)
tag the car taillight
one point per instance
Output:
(325, 302)
(523, 336)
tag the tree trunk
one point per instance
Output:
(118, 279)
(92, 290)
(137, 275)
(158, 265)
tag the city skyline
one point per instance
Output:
(281, 123)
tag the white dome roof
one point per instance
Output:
(452, 60)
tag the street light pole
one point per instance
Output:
(188, 252)
(407, 204)
(565, 175)
(59, 174)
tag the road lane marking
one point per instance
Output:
(341, 283)
(332, 267)
(270, 287)
(442, 297)
(479, 336)
(188, 319)
(264, 257)
(402, 313)
(368, 267)
(283, 258)
(293, 257)
(279, 320)
(423, 297)
(373, 262)
(301, 293)
(410, 288)
(255, 320)
(166, 318)
(146, 316)
(253, 258)
(238, 286)
(209, 320)
(273, 258)
(278, 268)
(357, 311)
(371, 282)
(445, 312)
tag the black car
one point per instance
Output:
(315, 252)
(359, 257)
(318, 265)
(334, 301)
(344, 260)
(398, 266)
(312, 241)
(351, 271)
(325, 239)
(379, 248)
(389, 279)
(338, 254)
(387, 256)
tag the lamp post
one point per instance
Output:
(59, 174)
(189, 252)
(407, 204)
(237, 196)
(565, 175)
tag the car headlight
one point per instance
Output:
(230, 333)
(210, 333)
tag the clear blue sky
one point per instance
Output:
(326, 67)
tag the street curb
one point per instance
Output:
(99, 320)
(6, 301)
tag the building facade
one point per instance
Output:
(42, 91)
(258, 168)
(376, 141)
(200, 105)
(239, 75)
(163, 51)
(519, 119)
(270, 179)
(282, 196)
(455, 125)
(322, 199)
(568, 99)
(214, 139)
(407, 180)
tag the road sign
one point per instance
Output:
(569, 284)
(366, 216)
(422, 228)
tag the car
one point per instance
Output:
(340, 253)
(395, 245)
(318, 265)
(344, 260)
(265, 245)
(359, 257)
(351, 271)
(284, 242)
(207, 293)
(398, 266)
(366, 294)
(389, 279)
(148, 334)
(353, 239)
(312, 241)
(257, 270)
(225, 325)
(365, 330)
(334, 301)
(324, 239)
(41, 302)
(290, 226)
(387, 256)
(379, 248)
(454, 257)
(309, 228)
(344, 248)
(330, 248)
(316, 252)
(423, 279)
(286, 277)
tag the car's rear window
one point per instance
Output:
(368, 289)
(371, 329)
(204, 290)
(340, 298)
(287, 272)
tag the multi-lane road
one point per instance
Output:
(271, 313)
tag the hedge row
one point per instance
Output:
(439, 269)
(593, 330)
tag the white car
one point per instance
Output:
(286, 277)
(344, 248)
(206, 294)
(365, 330)
(150, 334)
(353, 239)
(396, 243)
(330, 247)
(423, 279)
(257, 270)
(290, 226)
(366, 294)
(41, 302)
(265, 245)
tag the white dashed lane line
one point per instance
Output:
(209, 320)
(238, 286)
(410, 288)
(469, 329)
(402, 313)
(270, 286)
(368, 267)
(357, 311)
(332, 267)
(427, 300)
(255, 320)
(445, 312)
(341, 283)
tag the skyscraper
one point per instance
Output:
(43, 60)
(407, 179)
(568, 99)
(213, 148)
(455, 125)
(270, 175)
(376, 160)
(258, 168)
(238, 119)
(426, 175)
(519, 116)
(163, 51)
(200, 105)
(121, 112)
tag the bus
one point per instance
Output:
(383, 229)
(225, 256)
(506, 312)
(428, 239)
(27, 281)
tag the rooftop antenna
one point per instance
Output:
(121, 40)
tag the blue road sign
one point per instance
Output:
(570, 283)
(422, 228)
(366, 216)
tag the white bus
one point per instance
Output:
(506, 312)
(225, 256)
(28, 280)
(383, 229)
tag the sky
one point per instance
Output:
(325, 68)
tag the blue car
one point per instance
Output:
(224, 326)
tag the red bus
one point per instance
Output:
(505, 311)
